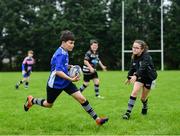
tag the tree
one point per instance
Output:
(171, 36)
(142, 21)
(87, 19)
(37, 25)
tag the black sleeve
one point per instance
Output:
(144, 64)
(98, 59)
(131, 70)
(87, 56)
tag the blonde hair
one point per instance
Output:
(30, 52)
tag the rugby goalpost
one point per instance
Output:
(161, 50)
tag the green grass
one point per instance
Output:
(68, 118)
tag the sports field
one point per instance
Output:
(68, 118)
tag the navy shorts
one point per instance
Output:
(146, 81)
(27, 74)
(87, 78)
(53, 93)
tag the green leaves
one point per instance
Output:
(37, 25)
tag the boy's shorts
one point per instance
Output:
(53, 93)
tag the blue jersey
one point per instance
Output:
(59, 62)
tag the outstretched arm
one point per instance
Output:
(102, 66)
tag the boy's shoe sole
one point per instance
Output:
(101, 121)
(28, 104)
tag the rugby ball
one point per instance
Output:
(75, 71)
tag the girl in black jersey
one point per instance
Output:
(142, 74)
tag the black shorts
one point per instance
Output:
(53, 93)
(146, 81)
(87, 78)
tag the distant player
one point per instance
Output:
(91, 60)
(142, 74)
(59, 80)
(26, 69)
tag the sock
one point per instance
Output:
(89, 110)
(96, 88)
(131, 103)
(82, 87)
(144, 104)
(20, 82)
(26, 83)
(38, 101)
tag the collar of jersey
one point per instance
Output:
(63, 49)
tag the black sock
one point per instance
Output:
(131, 103)
(26, 83)
(89, 110)
(20, 82)
(144, 103)
(82, 87)
(38, 101)
(96, 89)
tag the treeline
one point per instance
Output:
(36, 25)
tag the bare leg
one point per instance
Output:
(144, 94)
(79, 97)
(137, 87)
(20, 82)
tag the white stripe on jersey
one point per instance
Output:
(85, 69)
(51, 79)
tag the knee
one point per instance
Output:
(134, 94)
(86, 84)
(81, 99)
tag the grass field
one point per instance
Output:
(68, 118)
